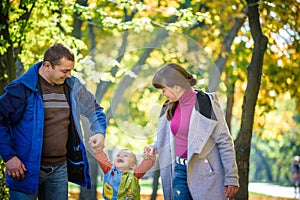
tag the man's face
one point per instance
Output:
(57, 74)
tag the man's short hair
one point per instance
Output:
(56, 52)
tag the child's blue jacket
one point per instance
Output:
(22, 125)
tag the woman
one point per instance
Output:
(195, 149)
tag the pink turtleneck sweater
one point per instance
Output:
(181, 121)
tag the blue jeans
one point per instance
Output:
(53, 185)
(180, 186)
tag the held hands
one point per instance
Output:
(16, 168)
(149, 152)
(97, 142)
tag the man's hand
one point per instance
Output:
(16, 168)
(97, 142)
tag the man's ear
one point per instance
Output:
(47, 65)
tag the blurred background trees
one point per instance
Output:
(119, 45)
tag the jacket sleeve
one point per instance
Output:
(103, 162)
(12, 103)
(91, 109)
(225, 144)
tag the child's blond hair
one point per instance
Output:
(132, 155)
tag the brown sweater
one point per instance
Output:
(56, 122)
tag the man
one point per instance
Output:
(41, 139)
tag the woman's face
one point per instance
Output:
(170, 93)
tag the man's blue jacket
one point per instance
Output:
(22, 125)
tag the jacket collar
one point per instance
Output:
(30, 78)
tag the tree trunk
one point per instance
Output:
(103, 85)
(77, 23)
(90, 194)
(243, 141)
(127, 80)
(214, 80)
(264, 164)
(7, 64)
(85, 193)
(229, 104)
(92, 38)
(155, 182)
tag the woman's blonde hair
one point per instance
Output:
(169, 76)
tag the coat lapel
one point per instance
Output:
(200, 131)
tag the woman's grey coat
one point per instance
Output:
(211, 154)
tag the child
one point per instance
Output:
(121, 178)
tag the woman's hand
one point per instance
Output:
(230, 190)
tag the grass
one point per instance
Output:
(146, 191)
(255, 196)
(146, 186)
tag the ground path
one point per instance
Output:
(272, 190)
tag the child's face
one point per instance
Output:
(124, 160)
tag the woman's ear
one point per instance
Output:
(178, 90)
